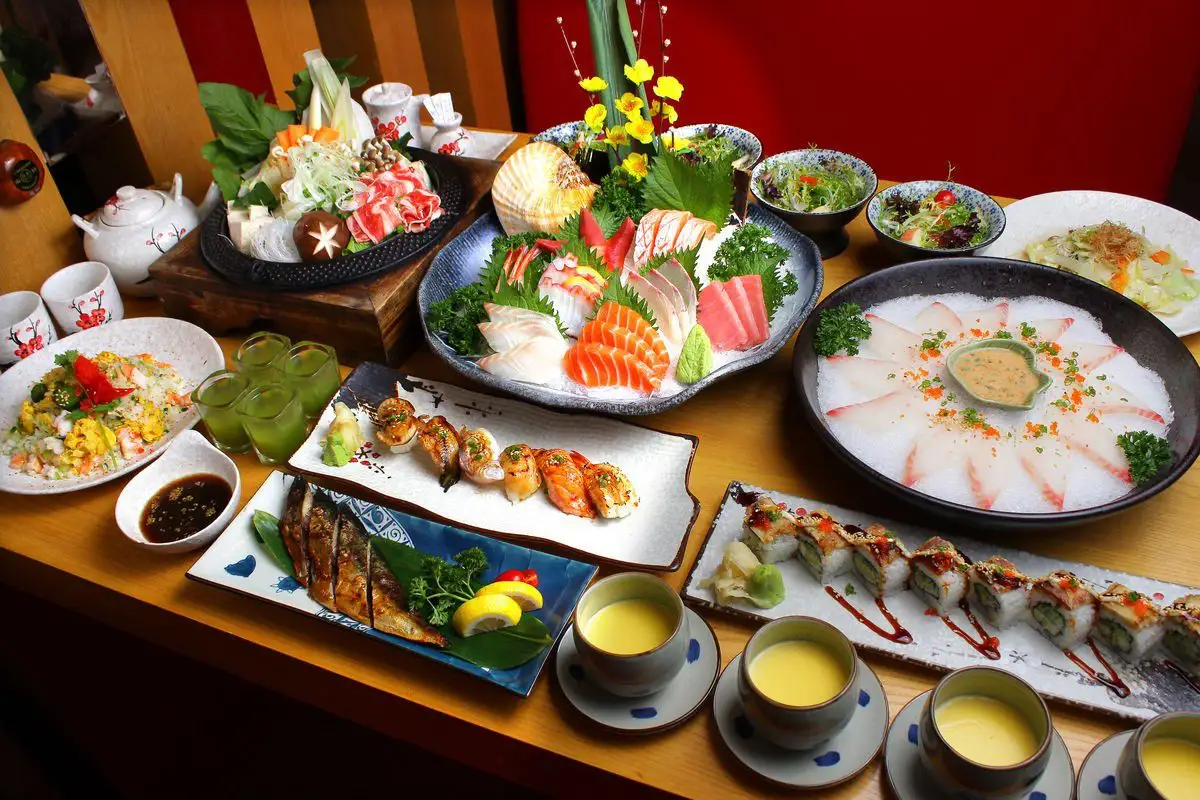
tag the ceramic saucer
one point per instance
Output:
(837, 760)
(664, 709)
(911, 781)
(1098, 775)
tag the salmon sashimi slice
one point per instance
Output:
(939, 317)
(752, 286)
(601, 365)
(1096, 443)
(987, 320)
(720, 320)
(694, 232)
(647, 230)
(623, 339)
(1114, 399)
(625, 317)
(990, 466)
(669, 228)
(878, 414)
(1046, 464)
(890, 341)
(1093, 355)
(1051, 330)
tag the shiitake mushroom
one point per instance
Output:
(320, 236)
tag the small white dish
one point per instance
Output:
(83, 296)
(1098, 775)
(666, 708)
(189, 454)
(911, 781)
(835, 761)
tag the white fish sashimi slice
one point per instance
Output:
(660, 282)
(990, 466)
(1051, 330)
(571, 307)
(660, 306)
(503, 336)
(679, 278)
(1046, 463)
(538, 360)
(499, 313)
(879, 413)
(891, 341)
(869, 375)
(1096, 443)
(988, 320)
(934, 450)
(939, 317)
(1093, 355)
(1114, 399)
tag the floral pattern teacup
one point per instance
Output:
(25, 325)
(83, 296)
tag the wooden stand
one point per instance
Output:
(373, 319)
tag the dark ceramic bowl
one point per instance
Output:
(826, 228)
(989, 210)
(460, 262)
(1138, 331)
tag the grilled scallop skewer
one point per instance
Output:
(477, 455)
(564, 482)
(398, 424)
(440, 441)
(522, 479)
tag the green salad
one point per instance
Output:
(816, 188)
(711, 146)
(939, 220)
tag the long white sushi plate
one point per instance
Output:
(1155, 688)
(651, 537)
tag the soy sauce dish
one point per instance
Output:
(181, 501)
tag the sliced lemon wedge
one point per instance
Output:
(526, 596)
(487, 613)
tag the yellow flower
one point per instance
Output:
(594, 117)
(636, 165)
(668, 88)
(640, 72)
(617, 135)
(629, 104)
(666, 109)
(676, 142)
(593, 84)
(640, 128)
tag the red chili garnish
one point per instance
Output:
(96, 384)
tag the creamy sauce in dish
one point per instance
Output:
(985, 730)
(798, 673)
(997, 374)
(629, 627)
(1173, 766)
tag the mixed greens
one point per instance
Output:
(939, 220)
(817, 188)
(710, 146)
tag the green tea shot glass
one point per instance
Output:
(216, 399)
(261, 357)
(274, 419)
(312, 370)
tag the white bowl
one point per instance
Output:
(189, 454)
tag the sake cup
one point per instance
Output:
(637, 674)
(790, 726)
(25, 325)
(1135, 781)
(83, 296)
(971, 779)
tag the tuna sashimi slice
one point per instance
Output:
(1114, 399)
(1093, 355)
(745, 311)
(872, 375)
(891, 341)
(990, 466)
(939, 317)
(1046, 463)
(719, 319)
(625, 317)
(622, 339)
(752, 285)
(879, 413)
(538, 360)
(1096, 443)
(596, 365)
(987, 320)
(1051, 330)
(934, 450)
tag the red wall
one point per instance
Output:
(221, 45)
(1023, 96)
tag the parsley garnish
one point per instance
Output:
(1146, 453)
(750, 251)
(839, 328)
(1002, 335)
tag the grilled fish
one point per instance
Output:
(353, 554)
(440, 441)
(322, 550)
(388, 611)
(294, 526)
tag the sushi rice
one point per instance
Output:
(939, 574)
(823, 547)
(1183, 631)
(880, 559)
(1000, 591)
(1129, 623)
(771, 531)
(1063, 608)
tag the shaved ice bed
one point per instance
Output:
(896, 408)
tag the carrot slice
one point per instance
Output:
(1161, 257)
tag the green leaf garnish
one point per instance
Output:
(704, 188)
(841, 328)
(1146, 454)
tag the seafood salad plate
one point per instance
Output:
(1145, 250)
(601, 487)
(1091, 637)
(96, 405)
(1014, 394)
(363, 567)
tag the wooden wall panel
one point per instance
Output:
(285, 30)
(38, 236)
(480, 37)
(393, 26)
(141, 45)
(345, 30)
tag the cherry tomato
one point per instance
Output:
(808, 179)
(530, 577)
(945, 198)
(519, 576)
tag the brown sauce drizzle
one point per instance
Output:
(1111, 680)
(744, 498)
(898, 634)
(986, 645)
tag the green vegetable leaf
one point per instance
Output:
(620, 196)
(66, 360)
(258, 195)
(103, 408)
(841, 328)
(704, 188)
(302, 93)
(503, 649)
(750, 251)
(266, 530)
(686, 258)
(457, 319)
(1147, 454)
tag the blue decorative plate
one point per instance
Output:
(238, 562)
(1098, 775)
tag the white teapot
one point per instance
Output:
(134, 228)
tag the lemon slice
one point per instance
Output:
(526, 596)
(487, 613)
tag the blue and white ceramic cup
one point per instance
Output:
(799, 727)
(638, 674)
(969, 779)
(1135, 781)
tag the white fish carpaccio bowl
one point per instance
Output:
(1131, 327)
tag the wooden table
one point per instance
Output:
(68, 550)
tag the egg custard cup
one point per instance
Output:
(1138, 780)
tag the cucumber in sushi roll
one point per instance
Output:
(1129, 623)
(1183, 631)
(939, 574)
(879, 559)
(999, 590)
(823, 547)
(1063, 608)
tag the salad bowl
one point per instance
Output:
(566, 133)
(990, 213)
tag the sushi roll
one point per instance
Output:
(939, 574)
(1183, 631)
(880, 560)
(1000, 591)
(1128, 622)
(823, 547)
(1063, 608)
(771, 531)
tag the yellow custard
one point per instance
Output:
(627, 627)
(996, 373)
(1173, 766)
(985, 730)
(798, 673)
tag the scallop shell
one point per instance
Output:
(539, 187)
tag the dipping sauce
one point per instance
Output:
(798, 673)
(1173, 766)
(986, 730)
(629, 627)
(184, 506)
(997, 374)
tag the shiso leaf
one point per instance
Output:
(704, 188)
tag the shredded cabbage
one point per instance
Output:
(325, 176)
